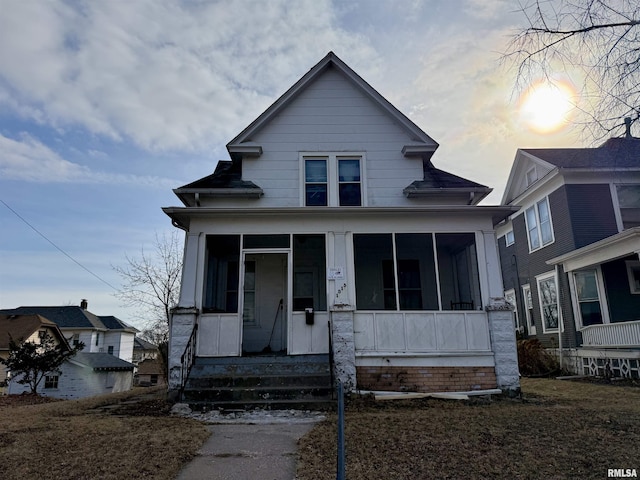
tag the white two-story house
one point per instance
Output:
(331, 229)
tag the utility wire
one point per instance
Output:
(56, 246)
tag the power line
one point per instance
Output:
(56, 246)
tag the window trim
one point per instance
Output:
(542, 278)
(333, 179)
(632, 265)
(604, 307)
(528, 312)
(538, 226)
(508, 242)
(511, 292)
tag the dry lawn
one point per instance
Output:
(560, 430)
(107, 437)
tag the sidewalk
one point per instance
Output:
(250, 447)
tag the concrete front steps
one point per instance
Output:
(277, 382)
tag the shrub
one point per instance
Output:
(533, 358)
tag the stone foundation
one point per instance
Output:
(426, 379)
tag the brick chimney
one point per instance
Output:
(84, 304)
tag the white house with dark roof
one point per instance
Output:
(331, 235)
(569, 254)
(106, 334)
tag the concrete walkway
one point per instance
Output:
(242, 451)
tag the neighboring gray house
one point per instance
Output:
(569, 254)
(106, 334)
(331, 227)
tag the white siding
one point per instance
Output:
(76, 381)
(331, 115)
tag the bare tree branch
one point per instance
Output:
(600, 38)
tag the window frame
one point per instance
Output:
(51, 381)
(604, 310)
(333, 182)
(631, 266)
(527, 298)
(535, 207)
(511, 292)
(509, 238)
(545, 277)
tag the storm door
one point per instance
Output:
(264, 310)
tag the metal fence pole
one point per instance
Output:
(340, 473)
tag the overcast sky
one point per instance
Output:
(105, 106)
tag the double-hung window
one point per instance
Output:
(539, 227)
(333, 180)
(588, 298)
(629, 204)
(548, 297)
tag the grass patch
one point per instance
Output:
(108, 437)
(561, 430)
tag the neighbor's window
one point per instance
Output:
(333, 180)
(51, 381)
(398, 271)
(633, 274)
(509, 238)
(222, 274)
(75, 340)
(528, 308)
(110, 349)
(539, 227)
(548, 297)
(629, 203)
(532, 176)
(586, 283)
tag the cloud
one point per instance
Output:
(27, 159)
(163, 74)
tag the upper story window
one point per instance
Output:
(539, 227)
(532, 176)
(629, 203)
(333, 180)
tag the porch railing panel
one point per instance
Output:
(623, 334)
(422, 332)
(219, 335)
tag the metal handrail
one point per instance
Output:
(188, 358)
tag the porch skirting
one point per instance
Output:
(425, 379)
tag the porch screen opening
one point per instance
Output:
(398, 271)
(309, 272)
(222, 274)
(458, 271)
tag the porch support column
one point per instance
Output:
(344, 350)
(503, 345)
(189, 271)
(180, 329)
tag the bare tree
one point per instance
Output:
(151, 282)
(601, 38)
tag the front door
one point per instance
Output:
(264, 312)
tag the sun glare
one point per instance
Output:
(545, 107)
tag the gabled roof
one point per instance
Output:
(242, 144)
(142, 344)
(72, 317)
(21, 327)
(101, 361)
(615, 154)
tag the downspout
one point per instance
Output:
(560, 316)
